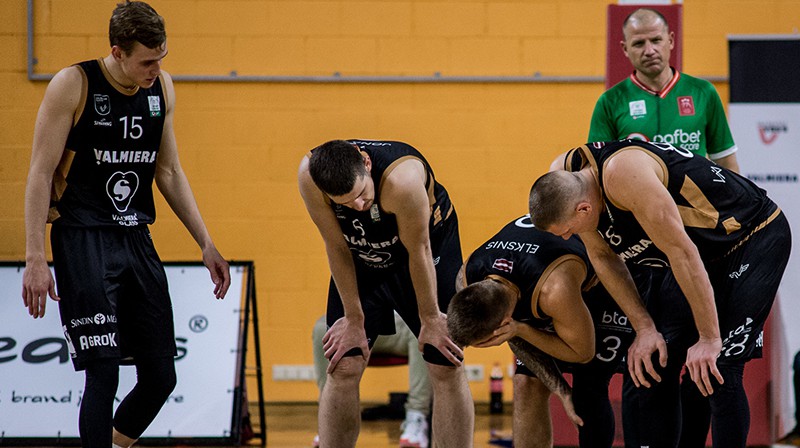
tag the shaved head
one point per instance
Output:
(643, 17)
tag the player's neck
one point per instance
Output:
(655, 83)
(114, 69)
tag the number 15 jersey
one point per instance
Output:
(105, 177)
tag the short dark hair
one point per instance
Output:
(334, 167)
(135, 21)
(551, 198)
(476, 311)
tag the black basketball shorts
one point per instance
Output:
(114, 297)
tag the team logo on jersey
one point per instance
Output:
(638, 109)
(502, 264)
(102, 104)
(155, 105)
(374, 258)
(121, 187)
(685, 106)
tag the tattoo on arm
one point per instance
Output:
(542, 365)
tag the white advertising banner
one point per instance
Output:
(768, 137)
(40, 392)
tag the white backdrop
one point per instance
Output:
(768, 137)
(40, 392)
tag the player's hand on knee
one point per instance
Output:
(344, 335)
(434, 332)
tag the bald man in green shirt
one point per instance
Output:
(660, 104)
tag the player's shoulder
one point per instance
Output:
(696, 82)
(620, 91)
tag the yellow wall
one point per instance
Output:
(240, 143)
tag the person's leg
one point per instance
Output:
(339, 418)
(532, 425)
(695, 415)
(320, 361)
(652, 416)
(730, 411)
(155, 380)
(404, 343)
(453, 409)
(590, 396)
(97, 404)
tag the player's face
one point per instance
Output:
(578, 222)
(143, 65)
(648, 46)
(361, 197)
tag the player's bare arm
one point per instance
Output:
(404, 194)
(173, 184)
(349, 331)
(729, 162)
(55, 119)
(561, 299)
(547, 372)
(645, 195)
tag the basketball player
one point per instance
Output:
(537, 291)
(636, 200)
(391, 236)
(103, 134)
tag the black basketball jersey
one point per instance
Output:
(372, 235)
(105, 177)
(525, 256)
(718, 207)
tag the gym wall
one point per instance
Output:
(241, 142)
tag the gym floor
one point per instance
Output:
(295, 425)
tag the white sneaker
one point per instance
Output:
(415, 431)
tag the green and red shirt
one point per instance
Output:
(687, 112)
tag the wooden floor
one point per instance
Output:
(295, 425)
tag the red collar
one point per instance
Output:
(667, 88)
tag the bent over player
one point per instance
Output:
(391, 236)
(531, 288)
(713, 228)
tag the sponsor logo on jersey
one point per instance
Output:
(155, 105)
(768, 132)
(103, 122)
(685, 106)
(638, 109)
(103, 340)
(97, 319)
(121, 187)
(504, 265)
(103, 156)
(680, 138)
(374, 258)
(102, 104)
(737, 274)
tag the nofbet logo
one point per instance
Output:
(105, 340)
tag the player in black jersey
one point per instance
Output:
(391, 236)
(103, 134)
(538, 292)
(725, 242)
